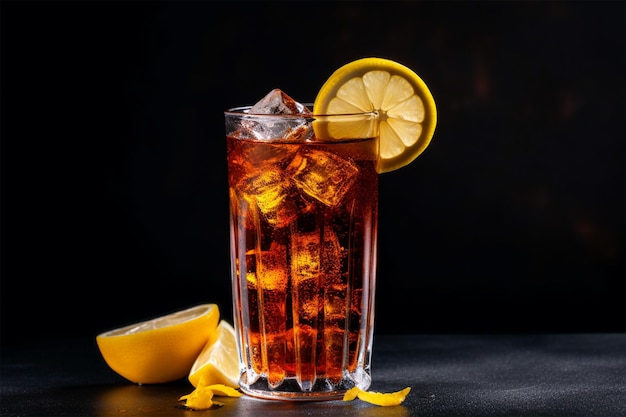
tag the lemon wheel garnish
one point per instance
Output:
(405, 107)
(162, 349)
(218, 363)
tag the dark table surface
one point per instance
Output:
(450, 375)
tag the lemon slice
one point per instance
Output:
(406, 108)
(161, 349)
(218, 363)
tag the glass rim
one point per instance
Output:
(241, 111)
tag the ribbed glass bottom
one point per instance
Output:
(290, 389)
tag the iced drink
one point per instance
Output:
(303, 214)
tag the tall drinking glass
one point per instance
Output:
(303, 230)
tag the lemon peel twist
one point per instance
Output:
(383, 399)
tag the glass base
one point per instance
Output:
(291, 390)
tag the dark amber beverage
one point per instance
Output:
(303, 207)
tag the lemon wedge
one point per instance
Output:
(162, 349)
(405, 106)
(218, 363)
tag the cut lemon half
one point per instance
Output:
(161, 349)
(218, 363)
(405, 107)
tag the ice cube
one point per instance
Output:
(269, 190)
(265, 156)
(271, 269)
(276, 102)
(322, 175)
(310, 256)
(312, 259)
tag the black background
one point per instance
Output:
(114, 197)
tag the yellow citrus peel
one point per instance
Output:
(202, 397)
(377, 398)
(351, 394)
